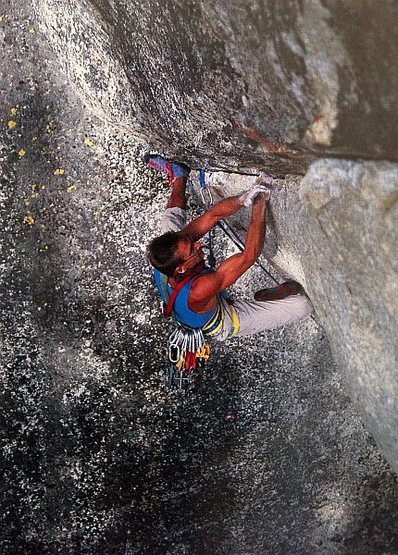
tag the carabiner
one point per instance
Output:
(209, 202)
(174, 357)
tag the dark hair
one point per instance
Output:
(162, 252)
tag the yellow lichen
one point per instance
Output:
(26, 201)
(71, 188)
(13, 111)
(88, 142)
(21, 152)
(11, 124)
(29, 219)
(59, 171)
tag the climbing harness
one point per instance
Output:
(188, 348)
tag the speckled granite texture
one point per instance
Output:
(96, 455)
(297, 88)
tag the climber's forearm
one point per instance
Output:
(200, 226)
(254, 243)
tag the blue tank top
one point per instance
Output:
(182, 312)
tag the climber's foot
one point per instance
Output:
(172, 169)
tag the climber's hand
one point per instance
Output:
(264, 179)
(248, 197)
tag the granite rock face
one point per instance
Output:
(348, 236)
(247, 86)
(335, 232)
(236, 84)
(97, 455)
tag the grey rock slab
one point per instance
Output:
(352, 274)
(96, 455)
(262, 82)
(335, 231)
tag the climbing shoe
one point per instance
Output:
(279, 292)
(172, 169)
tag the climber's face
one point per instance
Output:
(191, 254)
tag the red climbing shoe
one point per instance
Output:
(172, 169)
(279, 292)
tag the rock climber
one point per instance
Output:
(195, 293)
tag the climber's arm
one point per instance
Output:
(207, 286)
(226, 207)
(201, 225)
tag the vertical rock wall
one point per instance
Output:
(266, 453)
(240, 83)
(335, 232)
(263, 85)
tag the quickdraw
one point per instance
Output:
(188, 350)
(207, 199)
